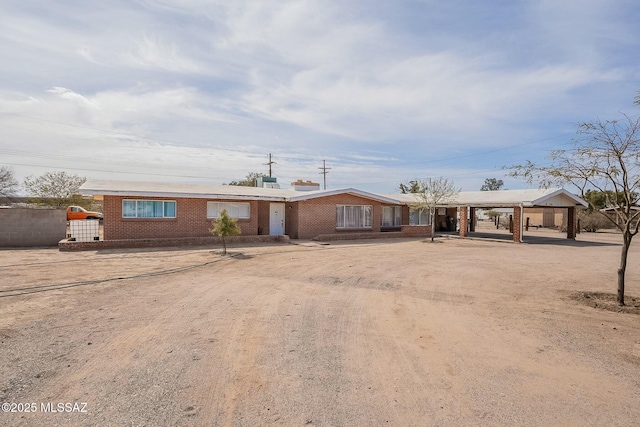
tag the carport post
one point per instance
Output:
(518, 213)
(472, 219)
(571, 223)
(464, 222)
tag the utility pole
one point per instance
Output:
(270, 162)
(324, 172)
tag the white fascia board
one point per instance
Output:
(353, 191)
(183, 195)
(559, 192)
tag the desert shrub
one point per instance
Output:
(593, 221)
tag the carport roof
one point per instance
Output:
(552, 197)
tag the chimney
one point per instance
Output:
(301, 185)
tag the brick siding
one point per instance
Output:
(304, 219)
(517, 224)
(191, 220)
(318, 216)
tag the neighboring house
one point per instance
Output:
(546, 217)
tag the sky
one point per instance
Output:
(201, 91)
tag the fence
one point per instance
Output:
(24, 227)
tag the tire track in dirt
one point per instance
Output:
(117, 364)
(228, 369)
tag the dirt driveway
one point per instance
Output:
(397, 332)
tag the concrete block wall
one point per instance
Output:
(23, 227)
(191, 220)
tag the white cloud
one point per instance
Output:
(309, 79)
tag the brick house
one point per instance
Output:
(141, 210)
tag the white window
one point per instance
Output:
(234, 210)
(354, 216)
(419, 217)
(148, 209)
(391, 216)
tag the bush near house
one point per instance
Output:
(224, 226)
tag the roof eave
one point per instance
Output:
(183, 195)
(561, 191)
(352, 191)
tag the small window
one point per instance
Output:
(235, 210)
(391, 216)
(419, 217)
(148, 209)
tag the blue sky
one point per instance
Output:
(201, 91)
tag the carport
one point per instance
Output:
(468, 201)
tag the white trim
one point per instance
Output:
(307, 195)
(521, 225)
(503, 198)
(559, 192)
(132, 194)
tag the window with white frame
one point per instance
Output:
(148, 209)
(354, 216)
(391, 216)
(240, 210)
(419, 217)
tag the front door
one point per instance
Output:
(276, 219)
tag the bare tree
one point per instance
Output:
(54, 188)
(434, 192)
(8, 183)
(605, 157)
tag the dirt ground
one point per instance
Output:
(367, 333)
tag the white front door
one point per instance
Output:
(276, 219)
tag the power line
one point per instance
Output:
(324, 173)
(269, 163)
(108, 171)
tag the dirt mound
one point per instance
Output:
(607, 301)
